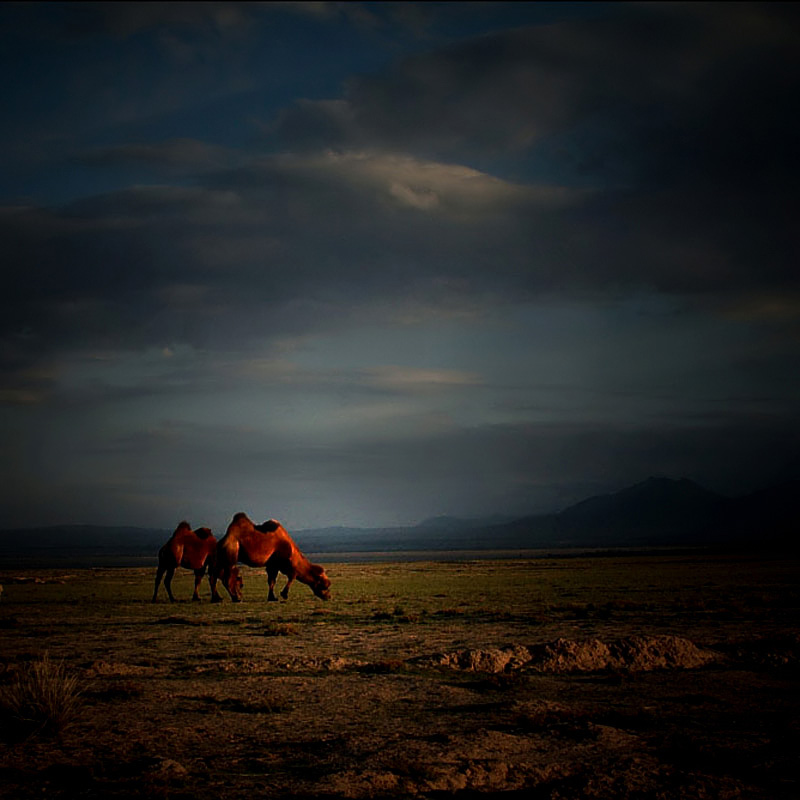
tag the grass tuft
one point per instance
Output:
(44, 700)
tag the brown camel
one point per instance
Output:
(267, 545)
(194, 550)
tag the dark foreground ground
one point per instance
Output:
(670, 676)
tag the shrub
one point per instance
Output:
(44, 699)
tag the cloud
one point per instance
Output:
(298, 244)
(626, 72)
(409, 379)
(444, 189)
(182, 155)
(669, 136)
(22, 385)
(680, 120)
(127, 19)
(765, 307)
(279, 240)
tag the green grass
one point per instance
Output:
(430, 588)
(581, 590)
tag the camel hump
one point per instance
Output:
(239, 517)
(203, 533)
(269, 526)
(183, 526)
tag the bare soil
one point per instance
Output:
(619, 677)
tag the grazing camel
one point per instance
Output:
(267, 545)
(194, 550)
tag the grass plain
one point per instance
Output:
(627, 676)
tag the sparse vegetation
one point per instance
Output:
(43, 700)
(345, 698)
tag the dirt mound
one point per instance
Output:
(493, 659)
(635, 653)
(323, 664)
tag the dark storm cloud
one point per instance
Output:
(281, 247)
(683, 116)
(505, 273)
(641, 74)
(174, 156)
(679, 121)
(310, 242)
(82, 21)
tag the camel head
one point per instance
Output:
(320, 583)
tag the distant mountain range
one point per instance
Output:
(658, 512)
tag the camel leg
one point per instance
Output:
(236, 579)
(168, 583)
(213, 577)
(198, 577)
(212, 584)
(159, 575)
(289, 582)
(272, 576)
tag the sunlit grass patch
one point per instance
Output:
(44, 699)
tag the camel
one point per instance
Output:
(267, 545)
(194, 550)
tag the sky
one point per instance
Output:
(368, 263)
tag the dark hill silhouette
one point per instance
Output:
(666, 512)
(658, 510)
(80, 545)
(655, 512)
(772, 514)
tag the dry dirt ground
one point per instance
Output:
(668, 676)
